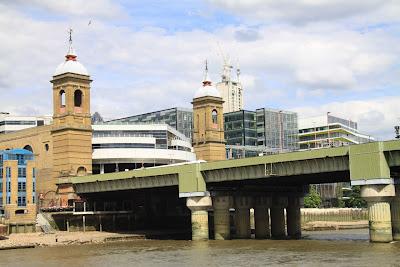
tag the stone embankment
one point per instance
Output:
(29, 240)
(334, 219)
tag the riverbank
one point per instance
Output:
(30, 240)
(331, 225)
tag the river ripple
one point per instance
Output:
(327, 248)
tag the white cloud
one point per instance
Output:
(137, 71)
(87, 9)
(305, 11)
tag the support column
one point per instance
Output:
(101, 168)
(242, 216)
(278, 230)
(379, 216)
(293, 217)
(199, 207)
(261, 217)
(221, 205)
(395, 214)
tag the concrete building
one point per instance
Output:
(10, 123)
(328, 130)
(179, 118)
(120, 147)
(17, 189)
(230, 90)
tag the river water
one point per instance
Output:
(327, 248)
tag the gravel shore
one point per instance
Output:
(62, 239)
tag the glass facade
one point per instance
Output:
(178, 118)
(240, 128)
(22, 156)
(277, 129)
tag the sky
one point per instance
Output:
(308, 56)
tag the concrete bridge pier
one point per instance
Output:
(221, 205)
(293, 217)
(199, 207)
(279, 203)
(261, 217)
(242, 216)
(379, 215)
(395, 214)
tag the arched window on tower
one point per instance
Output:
(214, 116)
(78, 101)
(62, 101)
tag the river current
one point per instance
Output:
(327, 248)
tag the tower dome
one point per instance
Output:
(71, 65)
(207, 89)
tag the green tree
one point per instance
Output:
(355, 200)
(313, 199)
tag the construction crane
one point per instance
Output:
(227, 67)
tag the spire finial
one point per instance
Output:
(70, 36)
(206, 80)
(71, 55)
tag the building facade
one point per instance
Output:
(120, 147)
(241, 134)
(10, 123)
(230, 90)
(208, 130)
(18, 188)
(63, 148)
(264, 131)
(277, 129)
(179, 118)
(328, 130)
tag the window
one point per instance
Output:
(78, 98)
(21, 172)
(62, 98)
(21, 186)
(214, 116)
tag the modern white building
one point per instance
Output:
(328, 130)
(10, 123)
(131, 146)
(230, 90)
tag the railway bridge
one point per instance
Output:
(186, 194)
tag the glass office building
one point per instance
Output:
(277, 129)
(240, 134)
(178, 118)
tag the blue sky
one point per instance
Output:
(307, 56)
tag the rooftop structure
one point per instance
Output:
(328, 130)
(10, 123)
(120, 147)
(178, 118)
(230, 90)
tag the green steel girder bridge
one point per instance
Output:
(374, 166)
(371, 163)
